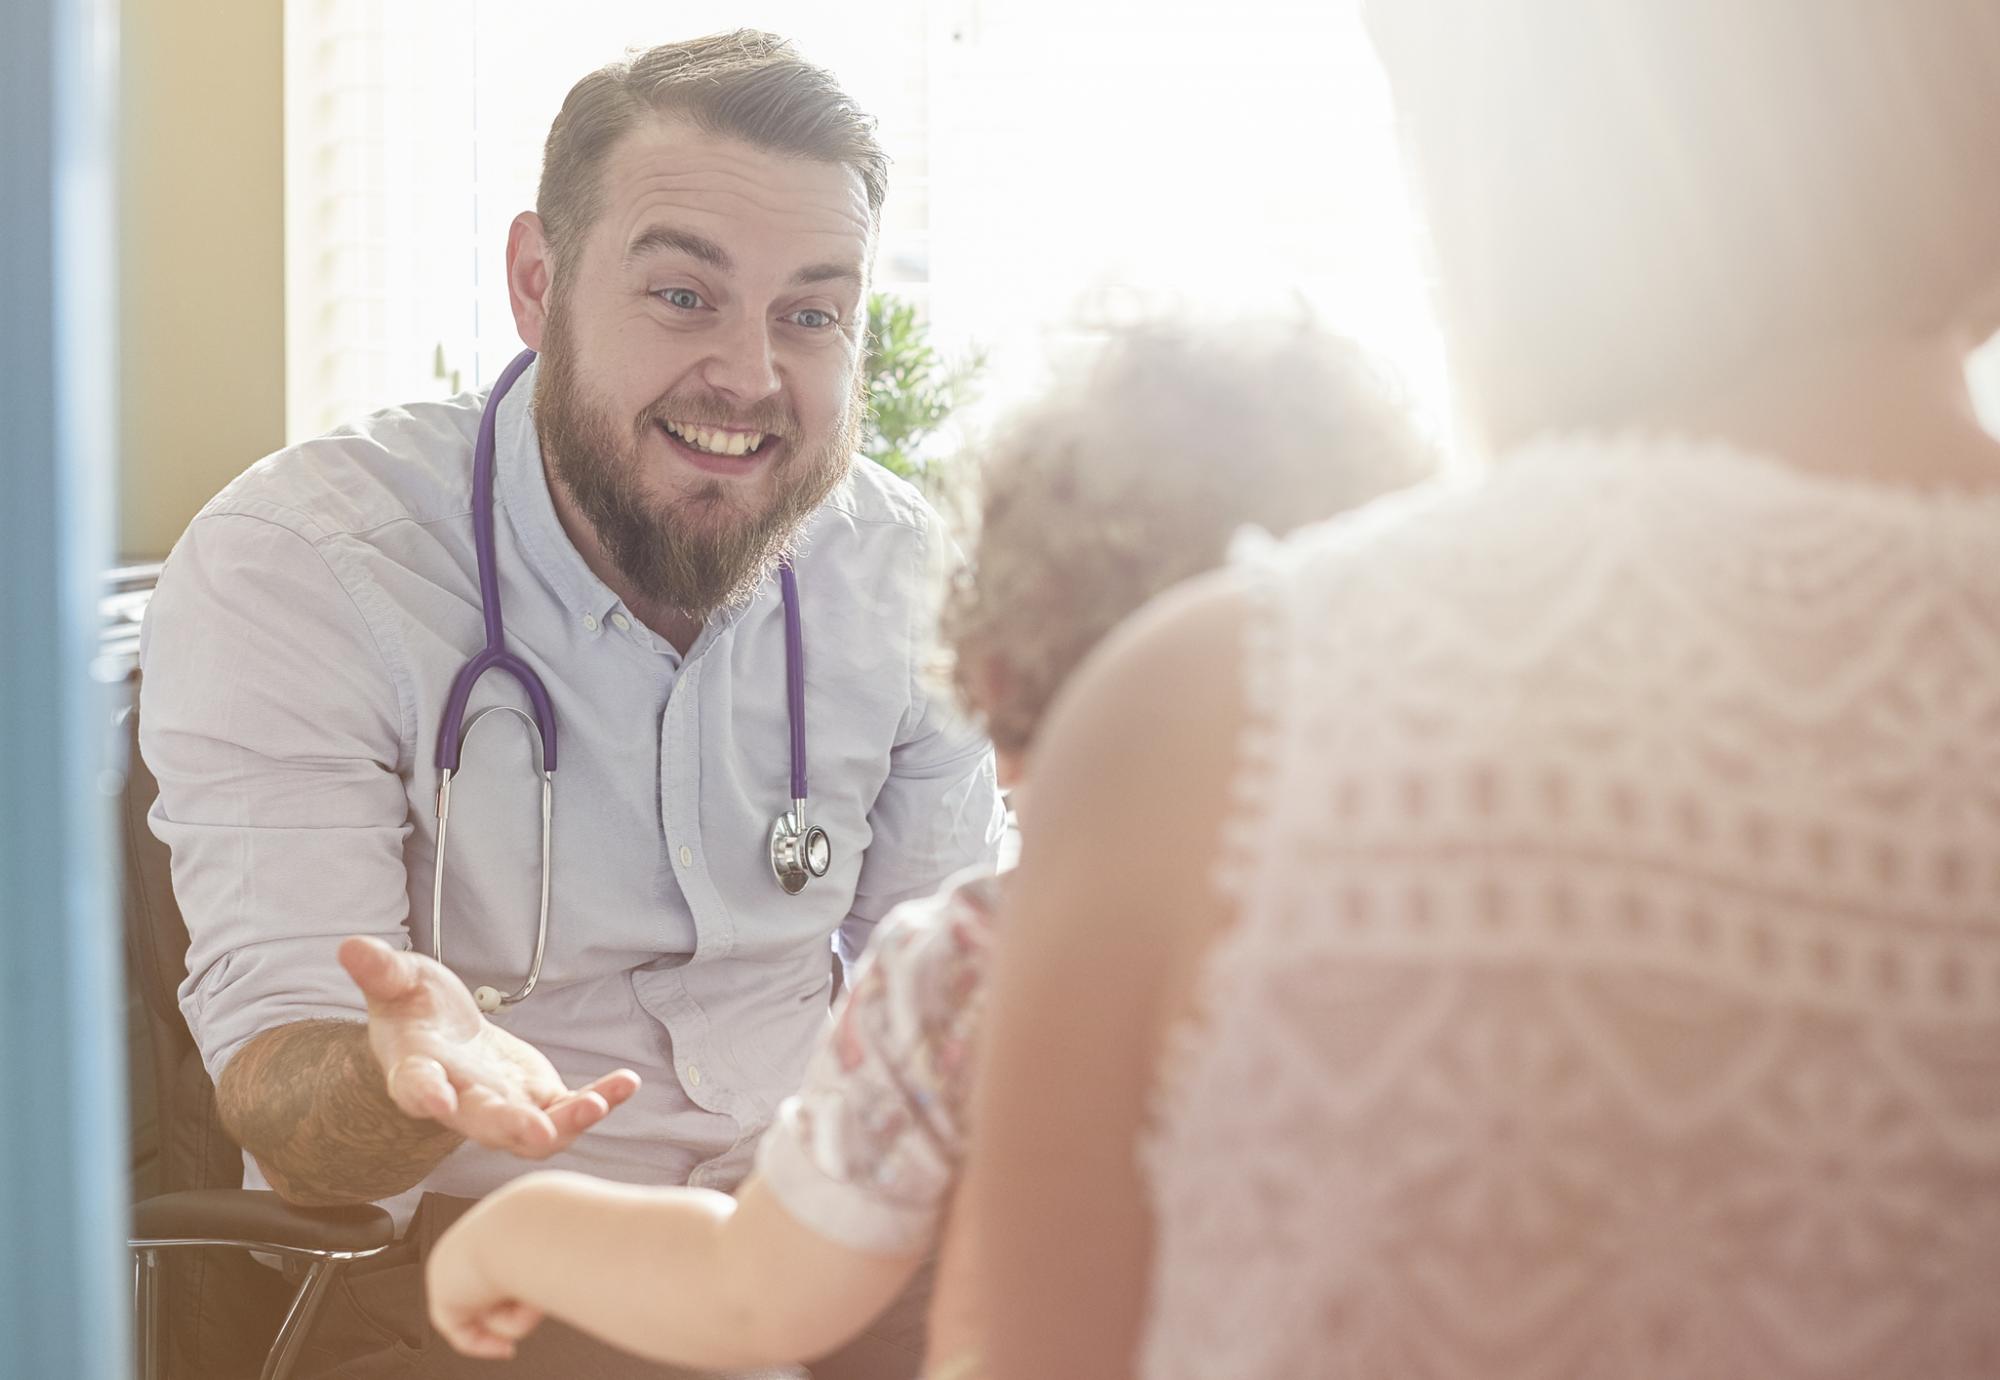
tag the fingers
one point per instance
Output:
(500, 1124)
(468, 1338)
(503, 1117)
(419, 1087)
(615, 1086)
(490, 1335)
(383, 974)
(513, 1320)
(546, 1087)
(576, 1112)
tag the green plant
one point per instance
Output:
(912, 390)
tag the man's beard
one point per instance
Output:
(704, 550)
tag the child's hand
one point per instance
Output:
(467, 1307)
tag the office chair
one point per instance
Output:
(222, 1306)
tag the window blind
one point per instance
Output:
(1057, 165)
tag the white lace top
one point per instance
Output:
(1616, 988)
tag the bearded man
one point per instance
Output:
(693, 281)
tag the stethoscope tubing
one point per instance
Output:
(494, 654)
(799, 850)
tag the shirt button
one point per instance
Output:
(621, 622)
(687, 856)
(590, 621)
(693, 1076)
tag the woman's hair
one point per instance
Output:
(1134, 473)
(1626, 198)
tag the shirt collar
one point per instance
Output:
(521, 487)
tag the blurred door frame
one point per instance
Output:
(64, 1273)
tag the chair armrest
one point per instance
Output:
(260, 1220)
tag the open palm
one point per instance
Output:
(444, 1061)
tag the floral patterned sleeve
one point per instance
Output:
(866, 1152)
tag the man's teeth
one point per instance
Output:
(717, 442)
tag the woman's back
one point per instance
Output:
(1605, 974)
(1614, 986)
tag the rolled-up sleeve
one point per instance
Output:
(276, 726)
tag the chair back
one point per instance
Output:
(221, 1308)
(195, 1152)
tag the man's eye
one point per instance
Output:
(687, 299)
(812, 318)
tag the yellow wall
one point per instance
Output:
(201, 256)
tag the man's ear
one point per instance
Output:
(530, 272)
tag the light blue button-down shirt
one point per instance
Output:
(296, 657)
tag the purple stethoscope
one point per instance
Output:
(799, 851)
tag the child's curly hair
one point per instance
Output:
(1134, 474)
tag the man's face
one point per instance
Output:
(699, 393)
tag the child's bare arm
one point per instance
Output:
(680, 1275)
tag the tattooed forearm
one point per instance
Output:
(307, 1100)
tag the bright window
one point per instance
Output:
(1058, 164)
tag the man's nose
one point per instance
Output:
(741, 365)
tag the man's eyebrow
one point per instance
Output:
(827, 273)
(664, 237)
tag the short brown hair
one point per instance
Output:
(1135, 473)
(746, 85)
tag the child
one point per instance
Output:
(1129, 479)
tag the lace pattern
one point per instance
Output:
(1616, 984)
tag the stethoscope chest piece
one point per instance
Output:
(799, 851)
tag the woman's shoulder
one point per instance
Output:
(1628, 484)
(1572, 530)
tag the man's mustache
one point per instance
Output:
(771, 416)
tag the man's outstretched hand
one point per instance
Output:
(445, 1062)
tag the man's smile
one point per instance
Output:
(716, 440)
